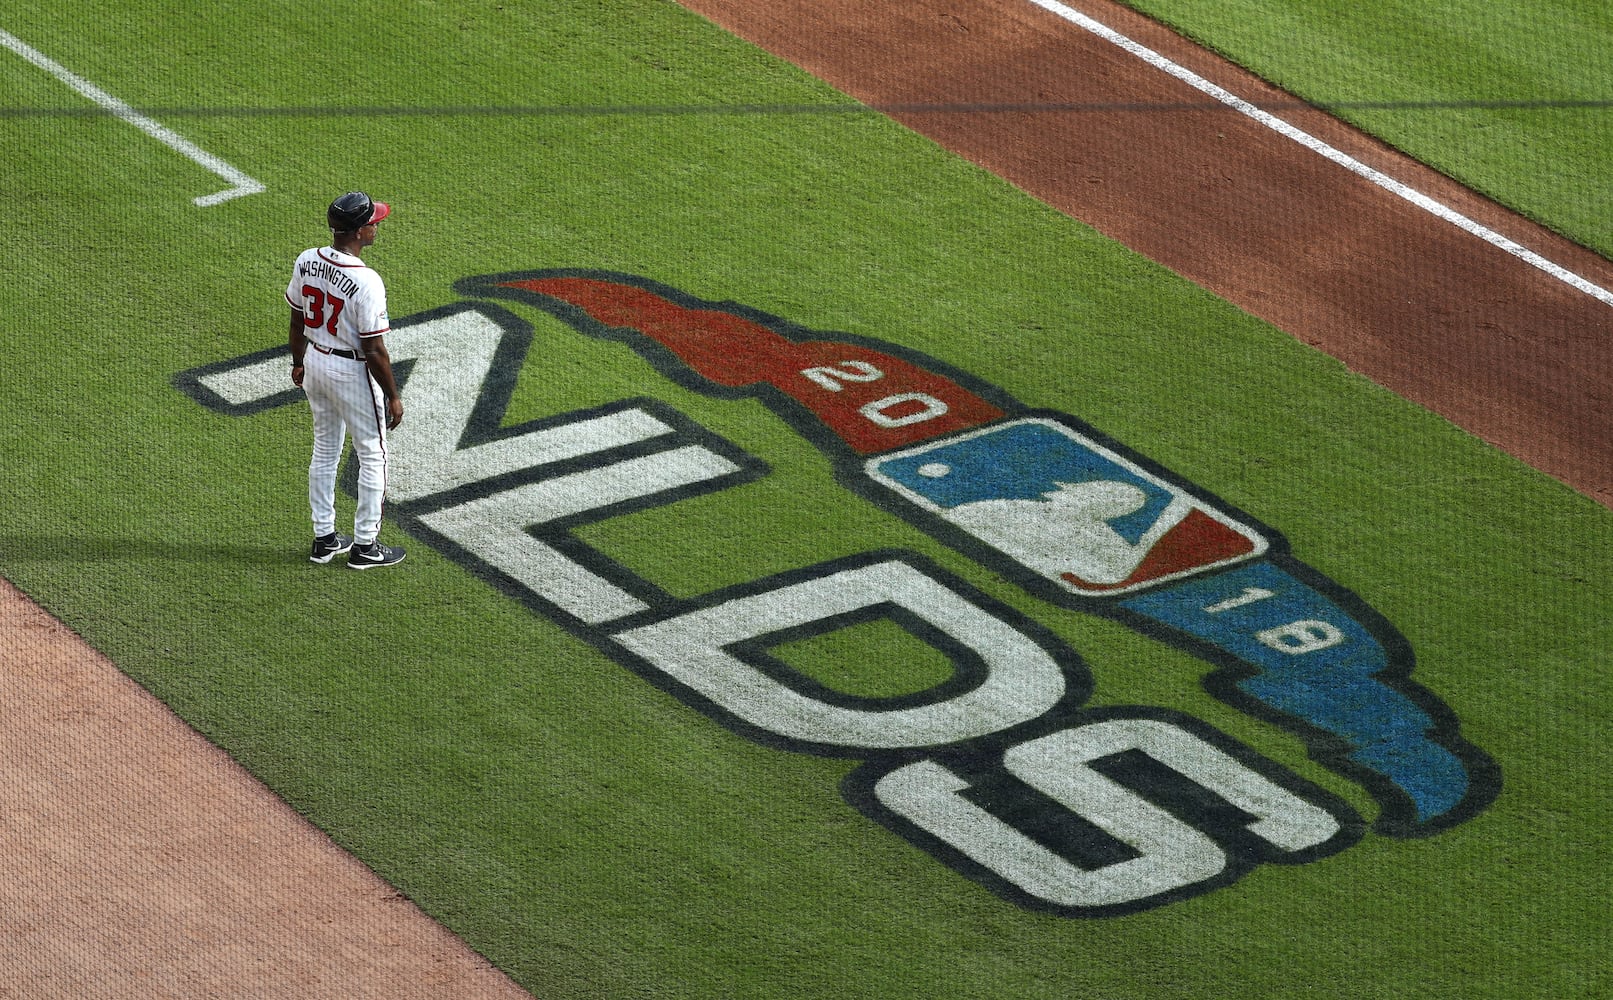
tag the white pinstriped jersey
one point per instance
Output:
(342, 299)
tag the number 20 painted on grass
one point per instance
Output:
(998, 770)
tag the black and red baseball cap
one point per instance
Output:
(354, 209)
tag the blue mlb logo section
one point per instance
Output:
(1028, 460)
(1065, 507)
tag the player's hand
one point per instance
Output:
(296, 376)
(394, 412)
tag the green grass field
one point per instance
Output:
(1513, 102)
(592, 833)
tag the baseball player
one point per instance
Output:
(339, 358)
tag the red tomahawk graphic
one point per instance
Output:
(872, 401)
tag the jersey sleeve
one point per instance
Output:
(294, 286)
(371, 319)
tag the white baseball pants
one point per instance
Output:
(344, 399)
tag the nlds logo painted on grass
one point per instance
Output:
(998, 771)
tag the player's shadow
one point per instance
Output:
(91, 549)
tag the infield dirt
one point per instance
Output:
(1493, 344)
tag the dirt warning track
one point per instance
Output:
(1489, 337)
(137, 860)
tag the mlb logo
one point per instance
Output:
(1067, 508)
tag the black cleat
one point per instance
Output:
(372, 555)
(329, 547)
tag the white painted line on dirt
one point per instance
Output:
(240, 183)
(1316, 145)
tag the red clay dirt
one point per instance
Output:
(139, 861)
(1473, 333)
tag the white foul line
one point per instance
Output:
(242, 184)
(1314, 144)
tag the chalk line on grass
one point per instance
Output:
(241, 184)
(1283, 128)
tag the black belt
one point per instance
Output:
(339, 352)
